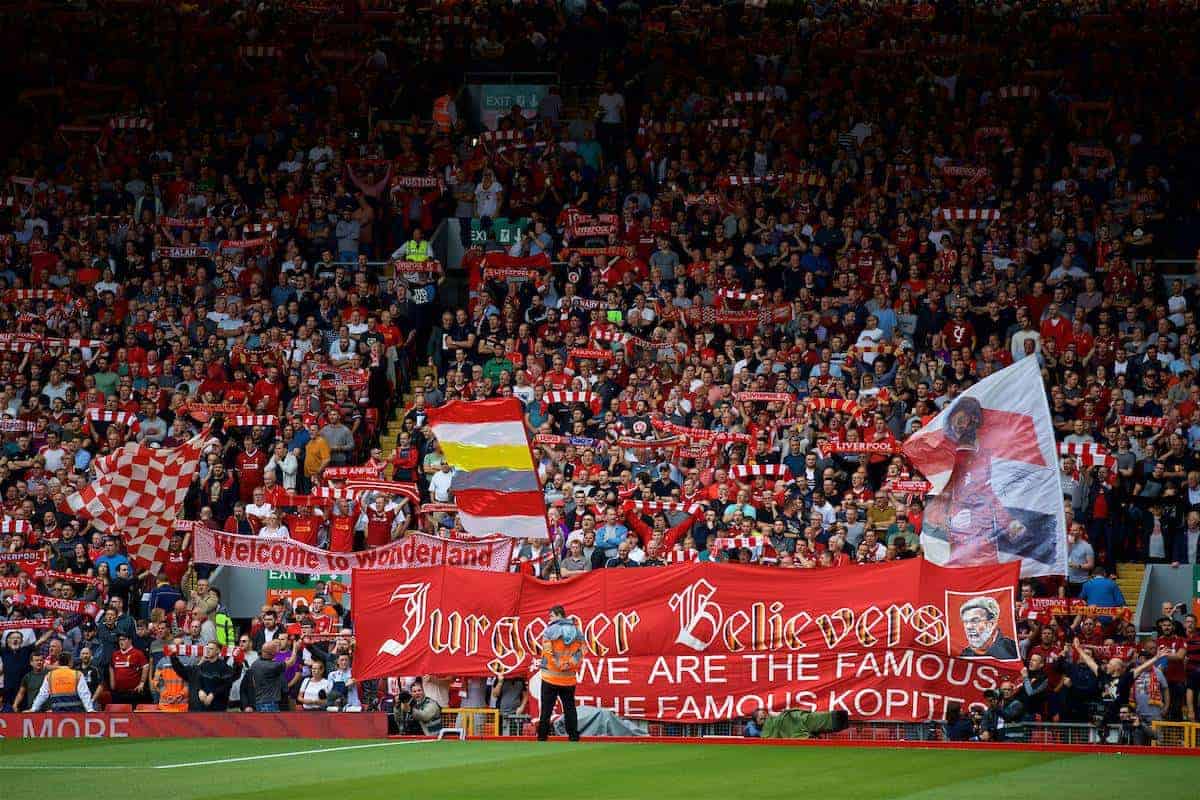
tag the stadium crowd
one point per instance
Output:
(778, 233)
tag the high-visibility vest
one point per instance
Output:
(226, 630)
(173, 690)
(64, 690)
(416, 251)
(560, 661)
(441, 113)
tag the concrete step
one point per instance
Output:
(1129, 578)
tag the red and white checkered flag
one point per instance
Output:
(137, 492)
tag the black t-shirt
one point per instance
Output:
(663, 487)
(460, 333)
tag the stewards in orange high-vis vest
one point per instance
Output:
(562, 653)
(64, 688)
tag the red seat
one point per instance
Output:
(118, 707)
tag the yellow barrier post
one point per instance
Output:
(1176, 734)
(474, 722)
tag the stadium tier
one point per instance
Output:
(777, 370)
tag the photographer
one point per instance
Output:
(416, 713)
(1133, 731)
(1004, 718)
(957, 727)
(315, 689)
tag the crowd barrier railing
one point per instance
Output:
(1177, 734)
(474, 722)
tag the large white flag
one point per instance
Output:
(992, 460)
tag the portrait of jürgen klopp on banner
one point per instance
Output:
(981, 623)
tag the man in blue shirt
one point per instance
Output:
(1102, 591)
(113, 557)
(610, 535)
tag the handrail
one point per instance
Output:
(1143, 593)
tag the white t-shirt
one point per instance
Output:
(340, 352)
(310, 692)
(487, 199)
(439, 486)
(612, 105)
(255, 510)
(54, 458)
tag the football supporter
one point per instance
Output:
(128, 672)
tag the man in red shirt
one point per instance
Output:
(177, 559)
(1057, 327)
(557, 377)
(388, 330)
(1192, 663)
(250, 465)
(303, 528)
(341, 528)
(128, 671)
(379, 522)
(1171, 646)
(274, 495)
(405, 459)
(323, 617)
(269, 387)
(239, 389)
(959, 332)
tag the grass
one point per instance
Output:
(502, 770)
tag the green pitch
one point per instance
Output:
(177, 769)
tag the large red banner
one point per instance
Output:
(703, 642)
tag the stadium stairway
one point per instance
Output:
(388, 438)
(391, 433)
(1129, 578)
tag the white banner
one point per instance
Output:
(992, 461)
(414, 550)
